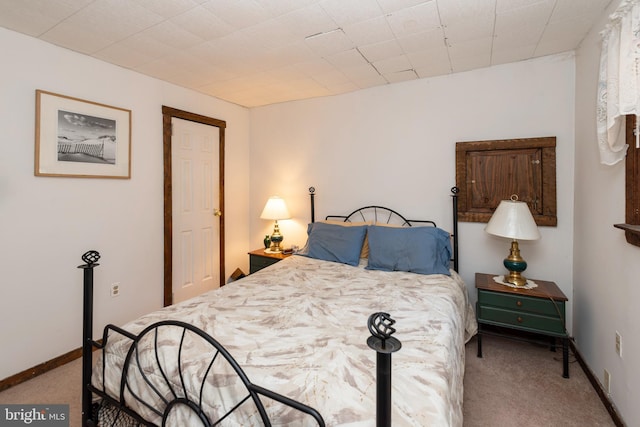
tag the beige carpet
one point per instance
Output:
(60, 386)
(514, 384)
(517, 383)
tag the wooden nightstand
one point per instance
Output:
(260, 259)
(540, 310)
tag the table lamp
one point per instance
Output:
(512, 219)
(275, 209)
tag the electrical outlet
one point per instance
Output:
(115, 289)
(607, 382)
(618, 344)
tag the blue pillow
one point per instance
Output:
(331, 242)
(422, 250)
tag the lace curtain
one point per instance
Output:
(619, 80)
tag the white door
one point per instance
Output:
(196, 226)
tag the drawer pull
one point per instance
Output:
(519, 303)
(519, 319)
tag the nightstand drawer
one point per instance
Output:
(522, 303)
(258, 263)
(522, 320)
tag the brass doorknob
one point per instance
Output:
(217, 212)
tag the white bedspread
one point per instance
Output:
(299, 328)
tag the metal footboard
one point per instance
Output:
(146, 382)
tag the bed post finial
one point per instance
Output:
(91, 259)
(312, 195)
(381, 328)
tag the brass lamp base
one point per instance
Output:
(516, 265)
(276, 239)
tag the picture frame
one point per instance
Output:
(80, 138)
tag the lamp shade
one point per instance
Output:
(513, 219)
(275, 209)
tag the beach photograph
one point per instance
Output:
(86, 139)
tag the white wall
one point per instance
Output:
(46, 224)
(395, 146)
(606, 268)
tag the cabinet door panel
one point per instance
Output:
(496, 175)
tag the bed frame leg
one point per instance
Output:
(90, 258)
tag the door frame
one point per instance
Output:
(169, 113)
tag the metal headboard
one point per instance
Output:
(381, 214)
(378, 214)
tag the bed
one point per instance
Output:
(299, 330)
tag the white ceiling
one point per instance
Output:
(259, 52)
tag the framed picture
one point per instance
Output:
(83, 139)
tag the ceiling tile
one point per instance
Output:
(434, 69)
(280, 7)
(470, 54)
(209, 75)
(369, 31)
(393, 65)
(285, 55)
(452, 11)
(373, 81)
(438, 58)
(380, 51)
(159, 68)
(504, 6)
(433, 39)
(350, 12)
(79, 39)
(361, 72)
(234, 47)
(571, 9)
(309, 68)
(238, 14)
(167, 8)
(143, 42)
(416, 19)
(289, 72)
(332, 78)
(523, 26)
(37, 16)
(512, 54)
(169, 34)
(328, 43)
(347, 58)
(124, 56)
(469, 29)
(113, 19)
(401, 76)
(340, 88)
(269, 34)
(389, 6)
(561, 36)
(306, 21)
(203, 23)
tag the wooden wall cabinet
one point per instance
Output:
(632, 186)
(490, 171)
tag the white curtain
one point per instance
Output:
(619, 80)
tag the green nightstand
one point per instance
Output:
(540, 310)
(260, 259)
